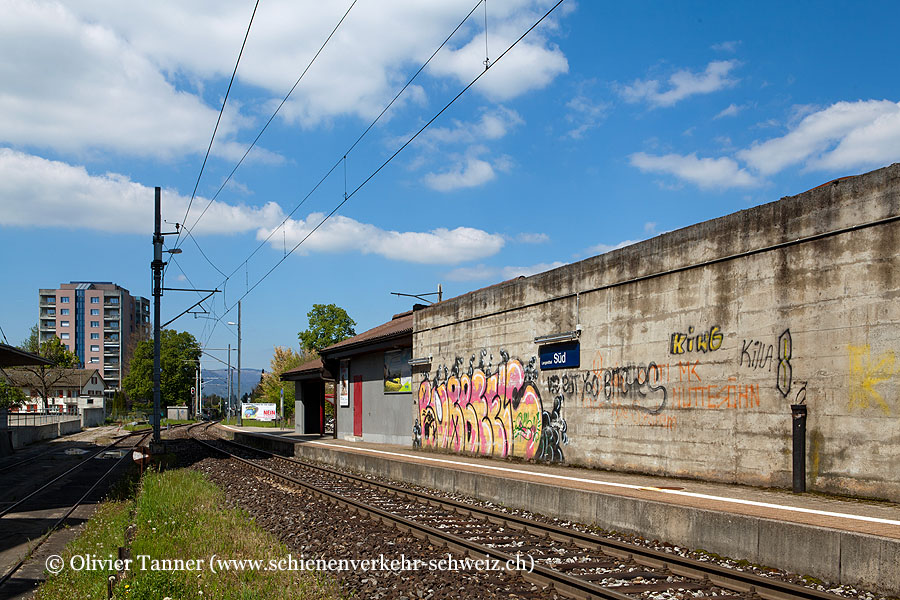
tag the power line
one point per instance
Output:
(342, 159)
(391, 158)
(218, 120)
(274, 114)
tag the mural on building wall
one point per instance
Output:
(490, 411)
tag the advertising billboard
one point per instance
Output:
(259, 412)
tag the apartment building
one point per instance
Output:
(99, 321)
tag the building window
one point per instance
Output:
(64, 312)
(63, 323)
(64, 299)
(64, 336)
(95, 299)
(95, 336)
(113, 300)
(96, 348)
(95, 323)
(94, 380)
(94, 359)
(95, 312)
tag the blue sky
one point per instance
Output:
(608, 124)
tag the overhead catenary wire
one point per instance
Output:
(272, 118)
(218, 121)
(337, 163)
(347, 197)
(374, 122)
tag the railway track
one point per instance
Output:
(77, 499)
(577, 564)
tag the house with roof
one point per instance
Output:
(70, 392)
(373, 385)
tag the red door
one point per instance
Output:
(357, 405)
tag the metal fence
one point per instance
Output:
(24, 419)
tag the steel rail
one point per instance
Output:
(81, 464)
(69, 512)
(739, 581)
(566, 584)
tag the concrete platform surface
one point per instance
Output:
(845, 540)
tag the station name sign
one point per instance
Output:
(565, 355)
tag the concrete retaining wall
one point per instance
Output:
(28, 434)
(848, 558)
(693, 346)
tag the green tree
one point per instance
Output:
(10, 395)
(43, 377)
(33, 342)
(328, 324)
(178, 356)
(283, 359)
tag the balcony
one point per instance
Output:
(111, 326)
(48, 325)
(111, 314)
(111, 301)
(48, 300)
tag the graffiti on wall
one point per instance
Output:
(705, 341)
(490, 411)
(654, 388)
(760, 356)
(866, 374)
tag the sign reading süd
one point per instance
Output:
(566, 355)
(260, 412)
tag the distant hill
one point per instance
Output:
(214, 381)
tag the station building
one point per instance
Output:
(373, 398)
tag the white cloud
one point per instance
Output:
(682, 84)
(72, 85)
(844, 135)
(494, 124)
(130, 78)
(38, 192)
(731, 111)
(585, 115)
(481, 272)
(533, 238)
(531, 65)
(730, 46)
(468, 171)
(343, 234)
(706, 173)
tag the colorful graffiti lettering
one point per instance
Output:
(489, 412)
(679, 343)
(866, 373)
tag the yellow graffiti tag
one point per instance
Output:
(866, 373)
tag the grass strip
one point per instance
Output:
(180, 516)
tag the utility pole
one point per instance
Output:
(228, 382)
(156, 266)
(240, 407)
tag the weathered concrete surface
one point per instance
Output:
(693, 346)
(828, 554)
(22, 435)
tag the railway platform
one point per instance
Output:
(844, 540)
